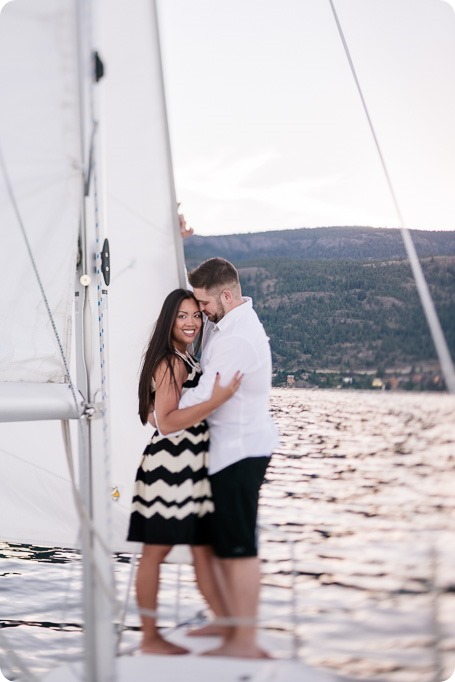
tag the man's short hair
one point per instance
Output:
(213, 274)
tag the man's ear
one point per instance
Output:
(228, 297)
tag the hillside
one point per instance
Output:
(349, 316)
(330, 317)
(319, 243)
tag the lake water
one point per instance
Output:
(361, 493)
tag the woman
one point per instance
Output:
(172, 503)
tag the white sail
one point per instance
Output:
(146, 250)
(141, 216)
(40, 190)
(40, 183)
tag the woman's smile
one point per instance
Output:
(187, 324)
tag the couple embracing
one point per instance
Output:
(198, 482)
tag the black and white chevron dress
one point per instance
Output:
(172, 502)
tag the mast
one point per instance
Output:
(91, 332)
(91, 289)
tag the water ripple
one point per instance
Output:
(360, 492)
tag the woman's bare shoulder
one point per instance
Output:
(179, 369)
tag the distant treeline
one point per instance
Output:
(319, 243)
(349, 315)
(346, 314)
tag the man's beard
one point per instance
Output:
(220, 312)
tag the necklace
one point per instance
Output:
(187, 357)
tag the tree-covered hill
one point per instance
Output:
(319, 243)
(350, 315)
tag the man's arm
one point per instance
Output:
(185, 231)
(201, 392)
(227, 356)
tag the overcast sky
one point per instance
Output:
(267, 127)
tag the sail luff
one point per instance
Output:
(180, 255)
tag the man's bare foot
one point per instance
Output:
(238, 650)
(208, 630)
(160, 646)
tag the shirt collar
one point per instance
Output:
(233, 315)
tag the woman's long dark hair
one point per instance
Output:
(160, 348)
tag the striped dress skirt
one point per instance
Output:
(172, 502)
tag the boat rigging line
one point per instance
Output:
(442, 350)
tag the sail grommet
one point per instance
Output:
(85, 280)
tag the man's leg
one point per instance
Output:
(206, 569)
(236, 495)
(242, 578)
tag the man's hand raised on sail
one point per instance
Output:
(185, 231)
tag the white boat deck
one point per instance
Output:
(196, 668)
(193, 668)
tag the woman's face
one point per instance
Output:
(187, 324)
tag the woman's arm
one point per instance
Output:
(167, 397)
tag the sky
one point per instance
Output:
(267, 127)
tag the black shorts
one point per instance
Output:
(235, 491)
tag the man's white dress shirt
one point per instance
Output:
(242, 427)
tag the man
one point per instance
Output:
(242, 438)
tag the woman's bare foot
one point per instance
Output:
(208, 630)
(160, 646)
(238, 650)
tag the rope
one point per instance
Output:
(102, 307)
(434, 325)
(435, 619)
(85, 519)
(121, 623)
